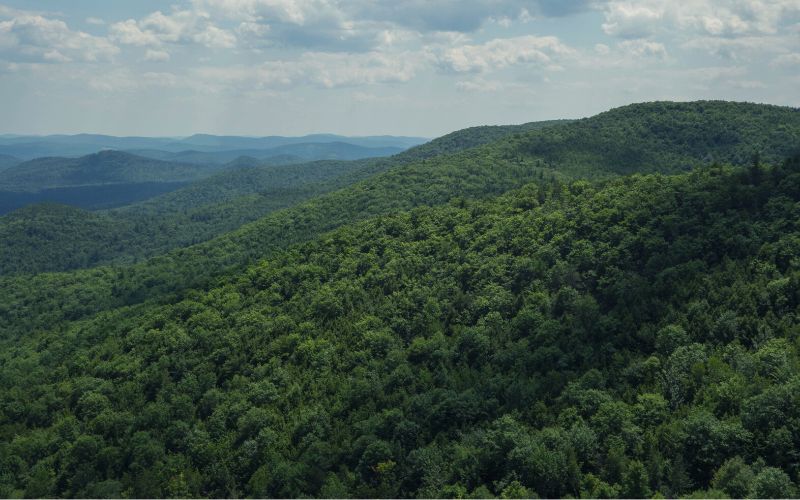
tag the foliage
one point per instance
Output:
(626, 338)
(667, 137)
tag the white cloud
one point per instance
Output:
(95, 20)
(633, 19)
(129, 33)
(637, 19)
(420, 15)
(736, 30)
(787, 61)
(480, 85)
(156, 55)
(738, 48)
(318, 69)
(643, 48)
(125, 80)
(318, 25)
(362, 25)
(287, 11)
(499, 53)
(32, 37)
(633, 54)
(602, 49)
(180, 26)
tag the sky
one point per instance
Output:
(371, 67)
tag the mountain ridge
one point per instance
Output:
(479, 172)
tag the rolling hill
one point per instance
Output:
(531, 314)
(223, 202)
(30, 147)
(284, 154)
(667, 137)
(622, 339)
(106, 167)
(476, 173)
(100, 180)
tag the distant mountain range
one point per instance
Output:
(29, 147)
(98, 180)
(278, 155)
(105, 167)
(98, 171)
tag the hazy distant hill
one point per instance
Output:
(106, 167)
(236, 142)
(284, 154)
(101, 180)
(7, 161)
(29, 147)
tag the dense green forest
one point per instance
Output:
(667, 137)
(473, 137)
(626, 339)
(605, 307)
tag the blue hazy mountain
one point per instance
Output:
(283, 154)
(29, 147)
(100, 180)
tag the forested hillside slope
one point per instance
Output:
(52, 237)
(665, 137)
(631, 338)
(201, 210)
(480, 172)
(473, 137)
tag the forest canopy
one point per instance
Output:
(497, 321)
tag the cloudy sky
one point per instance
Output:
(366, 67)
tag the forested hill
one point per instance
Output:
(38, 237)
(106, 167)
(633, 338)
(665, 137)
(51, 237)
(102, 180)
(195, 213)
(480, 172)
(468, 138)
